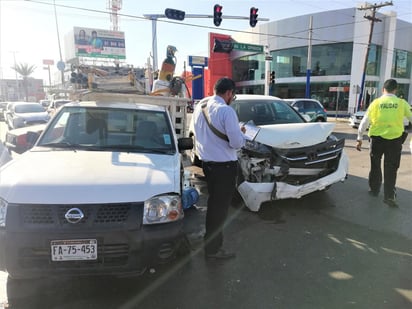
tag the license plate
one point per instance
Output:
(73, 250)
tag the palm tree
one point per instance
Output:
(25, 70)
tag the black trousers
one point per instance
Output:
(391, 151)
(221, 184)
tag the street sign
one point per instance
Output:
(339, 89)
(248, 47)
(61, 65)
(48, 61)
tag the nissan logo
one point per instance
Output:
(74, 215)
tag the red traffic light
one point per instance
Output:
(217, 15)
(253, 16)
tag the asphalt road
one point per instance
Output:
(335, 249)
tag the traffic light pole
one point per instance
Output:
(155, 17)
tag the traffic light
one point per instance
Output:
(253, 16)
(272, 77)
(175, 14)
(217, 15)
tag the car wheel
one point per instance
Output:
(320, 119)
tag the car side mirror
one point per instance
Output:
(31, 138)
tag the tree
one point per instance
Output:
(25, 70)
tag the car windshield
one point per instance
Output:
(265, 112)
(28, 108)
(108, 129)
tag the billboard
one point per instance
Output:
(98, 43)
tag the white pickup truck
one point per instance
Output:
(99, 193)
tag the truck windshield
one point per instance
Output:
(110, 129)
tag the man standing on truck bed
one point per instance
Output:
(218, 137)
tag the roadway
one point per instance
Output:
(335, 249)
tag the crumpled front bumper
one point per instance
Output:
(254, 194)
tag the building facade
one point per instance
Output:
(337, 59)
(18, 89)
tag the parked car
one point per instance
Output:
(356, 118)
(284, 156)
(313, 108)
(23, 114)
(45, 103)
(18, 140)
(56, 104)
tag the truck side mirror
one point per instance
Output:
(185, 143)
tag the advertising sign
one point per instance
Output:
(98, 43)
(48, 61)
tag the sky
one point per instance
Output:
(29, 30)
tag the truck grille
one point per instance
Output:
(104, 222)
(94, 214)
(107, 255)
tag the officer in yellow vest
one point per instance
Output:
(384, 118)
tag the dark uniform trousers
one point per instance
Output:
(391, 150)
(221, 185)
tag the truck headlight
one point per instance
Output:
(3, 212)
(162, 209)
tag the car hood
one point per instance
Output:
(24, 130)
(76, 177)
(294, 135)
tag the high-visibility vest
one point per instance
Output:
(386, 115)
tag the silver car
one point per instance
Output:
(23, 114)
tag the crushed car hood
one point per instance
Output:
(65, 177)
(294, 135)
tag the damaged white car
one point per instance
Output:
(285, 157)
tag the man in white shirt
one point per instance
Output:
(217, 148)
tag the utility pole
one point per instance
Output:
(372, 20)
(61, 63)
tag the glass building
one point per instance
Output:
(336, 53)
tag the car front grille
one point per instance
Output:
(323, 157)
(314, 156)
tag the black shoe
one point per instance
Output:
(390, 202)
(373, 193)
(221, 255)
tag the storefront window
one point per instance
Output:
(374, 60)
(327, 59)
(401, 64)
(249, 68)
